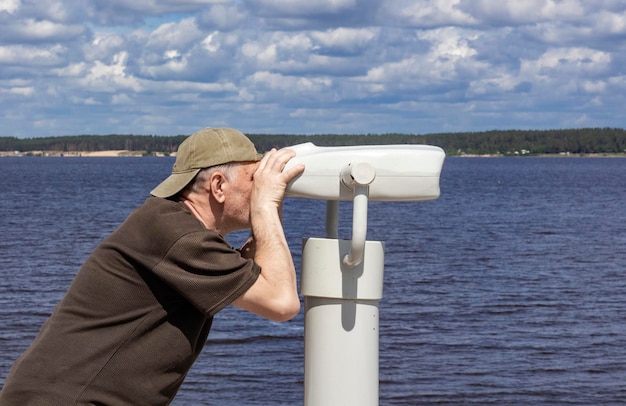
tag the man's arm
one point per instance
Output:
(274, 295)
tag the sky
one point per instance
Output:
(172, 67)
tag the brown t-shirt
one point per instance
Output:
(136, 316)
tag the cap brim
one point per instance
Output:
(174, 184)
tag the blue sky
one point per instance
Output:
(169, 67)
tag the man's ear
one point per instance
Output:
(217, 184)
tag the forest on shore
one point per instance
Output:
(609, 141)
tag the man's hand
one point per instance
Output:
(270, 181)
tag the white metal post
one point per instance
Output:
(341, 314)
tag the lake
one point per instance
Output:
(510, 289)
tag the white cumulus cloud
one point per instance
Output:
(296, 66)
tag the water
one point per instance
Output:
(508, 290)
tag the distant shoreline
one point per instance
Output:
(127, 153)
(575, 142)
(69, 154)
(592, 155)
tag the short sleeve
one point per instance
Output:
(203, 268)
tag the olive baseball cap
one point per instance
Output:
(207, 147)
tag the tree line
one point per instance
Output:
(500, 142)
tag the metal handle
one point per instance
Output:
(358, 177)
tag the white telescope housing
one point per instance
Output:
(402, 172)
(342, 280)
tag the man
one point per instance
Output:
(139, 310)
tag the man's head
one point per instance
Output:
(206, 148)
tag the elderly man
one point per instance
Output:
(140, 309)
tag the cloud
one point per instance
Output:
(295, 66)
(9, 6)
(25, 56)
(429, 13)
(525, 12)
(344, 41)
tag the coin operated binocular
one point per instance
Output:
(342, 280)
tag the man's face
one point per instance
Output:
(237, 204)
